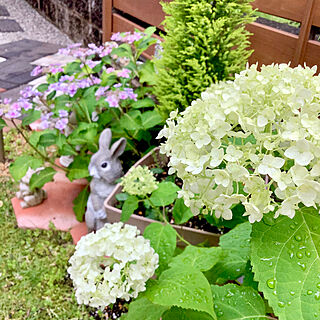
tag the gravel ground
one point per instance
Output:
(34, 25)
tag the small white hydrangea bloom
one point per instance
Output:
(257, 136)
(113, 263)
(139, 181)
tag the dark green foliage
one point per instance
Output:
(206, 41)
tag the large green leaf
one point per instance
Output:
(131, 120)
(39, 179)
(187, 288)
(285, 256)
(19, 168)
(128, 208)
(47, 139)
(176, 313)
(151, 119)
(232, 302)
(201, 259)
(147, 73)
(80, 204)
(163, 240)
(165, 194)
(31, 117)
(236, 250)
(142, 103)
(144, 309)
(2, 124)
(181, 213)
(79, 168)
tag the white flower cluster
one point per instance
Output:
(254, 140)
(139, 181)
(115, 262)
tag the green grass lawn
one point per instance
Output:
(33, 263)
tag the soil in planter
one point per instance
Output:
(111, 313)
(196, 222)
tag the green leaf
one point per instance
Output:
(128, 208)
(131, 120)
(163, 240)
(285, 255)
(31, 117)
(143, 103)
(151, 119)
(165, 194)
(147, 73)
(248, 276)
(19, 168)
(233, 302)
(176, 313)
(181, 213)
(47, 139)
(236, 250)
(39, 179)
(122, 196)
(79, 168)
(80, 204)
(43, 87)
(2, 124)
(144, 309)
(201, 259)
(186, 288)
(72, 68)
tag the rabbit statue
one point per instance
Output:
(105, 168)
(30, 197)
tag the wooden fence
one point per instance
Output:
(269, 44)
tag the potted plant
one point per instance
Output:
(165, 195)
(105, 86)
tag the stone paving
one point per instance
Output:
(23, 41)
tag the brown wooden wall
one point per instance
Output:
(269, 44)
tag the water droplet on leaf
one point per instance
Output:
(271, 283)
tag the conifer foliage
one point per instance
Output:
(205, 42)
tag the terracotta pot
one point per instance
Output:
(194, 236)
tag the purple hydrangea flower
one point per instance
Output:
(101, 91)
(131, 94)
(63, 113)
(36, 71)
(124, 73)
(61, 124)
(25, 104)
(7, 101)
(56, 69)
(109, 70)
(29, 92)
(95, 80)
(44, 125)
(13, 114)
(72, 89)
(66, 78)
(116, 37)
(123, 95)
(113, 101)
(1, 112)
(47, 116)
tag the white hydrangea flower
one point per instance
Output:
(260, 131)
(113, 263)
(300, 153)
(139, 181)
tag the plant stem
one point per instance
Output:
(177, 233)
(43, 156)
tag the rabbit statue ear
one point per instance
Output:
(105, 139)
(118, 147)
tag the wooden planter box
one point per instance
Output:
(194, 236)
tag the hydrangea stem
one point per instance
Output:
(43, 156)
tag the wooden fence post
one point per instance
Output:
(106, 19)
(304, 34)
